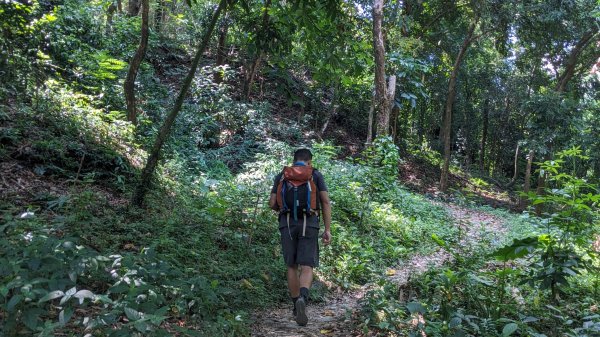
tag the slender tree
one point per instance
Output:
(159, 15)
(110, 11)
(134, 65)
(571, 61)
(484, 133)
(527, 185)
(561, 86)
(447, 122)
(370, 123)
(515, 168)
(221, 47)
(254, 65)
(148, 171)
(383, 96)
(133, 7)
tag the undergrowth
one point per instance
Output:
(541, 279)
(83, 261)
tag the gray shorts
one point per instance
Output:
(298, 249)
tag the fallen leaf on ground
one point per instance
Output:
(390, 272)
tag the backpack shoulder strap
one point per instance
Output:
(281, 189)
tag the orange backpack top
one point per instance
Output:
(297, 191)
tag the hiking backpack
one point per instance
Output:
(297, 191)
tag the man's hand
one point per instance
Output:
(326, 238)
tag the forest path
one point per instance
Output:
(335, 317)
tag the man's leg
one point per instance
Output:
(307, 249)
(293, 281)
(304, 281)
(306, 277)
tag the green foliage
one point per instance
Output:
(375, 221)
(383, 154)
(178, 261)
(568, 227)
(49, 284)
(166, 269)
(56, 144)
(509, 296)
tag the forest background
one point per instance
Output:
(139, 138)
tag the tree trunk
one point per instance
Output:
(561, 86)
(250, 75)
(133, 7)
(421, 128)
(134, 65)
(484, 134)
(572, 60)
(381, 107)
(516, 169)
(541, 186)
(394, 117)
(447, 126)
(120, 6)
(255, 64)
(159, 15)
(370, 123)
(527, 183)
(302, 105)
(110, 12)
(333, 108)
(165, 129)
(221, 49)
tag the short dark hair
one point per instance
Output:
(302, 155)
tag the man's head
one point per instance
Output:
(303, 155)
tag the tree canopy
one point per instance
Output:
(139, 139)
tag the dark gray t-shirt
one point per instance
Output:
(317, 178)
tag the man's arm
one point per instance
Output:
(326, 205)
(273, 202)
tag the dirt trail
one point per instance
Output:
(334, 318)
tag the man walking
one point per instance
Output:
(299, 193)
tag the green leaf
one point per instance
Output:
(518, 249)
(454, 322)
(65, 315)
(156, 320)
(30, 317)
(439, 241)
(51, 295)
(119, 287)
(509, 329)
(383, 325)
(414, 307)
(13, 302)
(529, 319)
(482, 280)
(132, 314)
(569, 271)
(141, 326)
(216, 210)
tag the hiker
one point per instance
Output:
(299, 193)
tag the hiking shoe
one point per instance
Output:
(301, 317)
